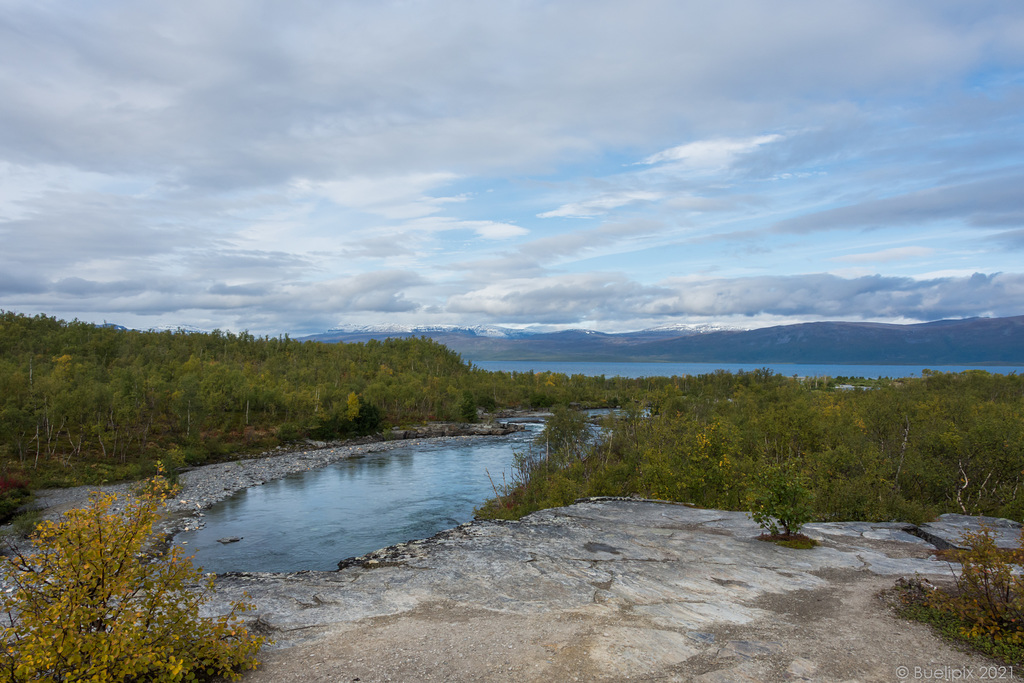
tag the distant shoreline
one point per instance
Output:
(636, 369)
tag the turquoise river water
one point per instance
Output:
(314, 519)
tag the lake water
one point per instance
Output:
(680, 369)
(313, 520)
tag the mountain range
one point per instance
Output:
(996, 341)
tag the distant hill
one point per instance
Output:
(996, 341)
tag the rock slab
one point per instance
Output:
(605, 589)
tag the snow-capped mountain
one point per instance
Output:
(978, 340)
(385, 330)
(687, 328)
(188, 329)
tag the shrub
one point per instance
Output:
(539, 400)
(288, 432)
(91, 604)
(14, 492)
(780, 499)
(989, 596)
(984, 608)
(24, 524)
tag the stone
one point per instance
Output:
(947, 531)
(609, 589)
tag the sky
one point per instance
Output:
(294, 167)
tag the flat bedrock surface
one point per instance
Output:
(610, 589)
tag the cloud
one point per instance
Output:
(830, 297)
(295, 305)
(233, 96)
(1010, 239)
(495, 231)
(382, 291)
(490, 230)
(380, 247)
(19, 281)
(978, 203)
(390, 196)
(886, 255)
(562, 299)
(585, 242)
(601, 205)
(710, 155)
(243, 165)
(606, 297)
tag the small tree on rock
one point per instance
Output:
(781, 500)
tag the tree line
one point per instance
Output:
(906, 449)
(81, 403)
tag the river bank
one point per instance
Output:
(204, 486)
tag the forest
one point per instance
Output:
(87, 404)
(903, 450)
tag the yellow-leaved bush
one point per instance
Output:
(91, 603)
(989, 596)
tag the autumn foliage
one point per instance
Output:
(989, 595)
(92, 602)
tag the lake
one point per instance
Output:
(314, 519)
(680, 369)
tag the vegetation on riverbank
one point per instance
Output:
(84, 404)
(904, 450)
(95, 601)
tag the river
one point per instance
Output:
(314, 519)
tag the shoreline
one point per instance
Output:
(206, 485)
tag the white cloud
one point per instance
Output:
(611, 297)
(601, 205)
(710, 155)
(495, 231)
(887, 255)
(395, 197)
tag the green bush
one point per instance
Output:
(539, 400)
(24, 524)
(91, 604)
(780, 499)
(14, 492)
(288, 432)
